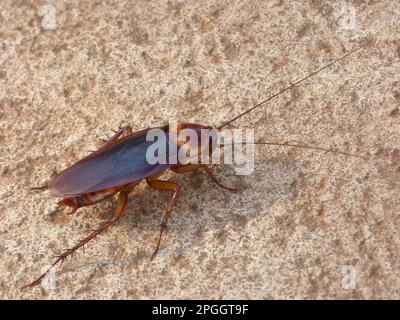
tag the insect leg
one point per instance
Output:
(118, 213)
(183, 168)
(120, 133)
(214, 178)
(207, 169)
(154, 183)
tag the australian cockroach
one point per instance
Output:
(120, 164)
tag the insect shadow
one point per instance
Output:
(202, 206)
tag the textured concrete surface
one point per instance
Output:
(307, 223)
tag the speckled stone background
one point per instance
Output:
(305, 222)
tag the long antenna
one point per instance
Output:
(303, 146)
(287, 88)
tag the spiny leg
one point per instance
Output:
(206, 168)
(118, 213)
(154, 183)
(214, 178)
(120, 133)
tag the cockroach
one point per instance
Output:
(120, 164)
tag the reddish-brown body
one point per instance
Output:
(76, 191)
(79, 200)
